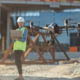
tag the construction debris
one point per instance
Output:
(70, 61)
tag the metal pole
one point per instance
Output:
(8, 30)
(0, 22)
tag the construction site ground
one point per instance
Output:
(63, 70)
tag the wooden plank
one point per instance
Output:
(57, 60)
(37, 50)
(29, 62)
(37, 32)
(62, 49)
(54, 51)
(41, 47)
(29, 50)
(42, 54)
(7, 53)
(49, 47)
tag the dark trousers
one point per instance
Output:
(18, 54)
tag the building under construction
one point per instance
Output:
(31, 10)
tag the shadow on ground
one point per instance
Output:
(35, 78)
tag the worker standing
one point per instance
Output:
(19, 46)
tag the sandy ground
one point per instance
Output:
(70, 71)
(42, 72)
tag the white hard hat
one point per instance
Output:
(20, 19)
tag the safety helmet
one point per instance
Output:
(20, 19)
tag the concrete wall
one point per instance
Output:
(58, 55)
(47, 55)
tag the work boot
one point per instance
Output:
(18, 79)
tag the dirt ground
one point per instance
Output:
(42, 72)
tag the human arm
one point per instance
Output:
(24, 36)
